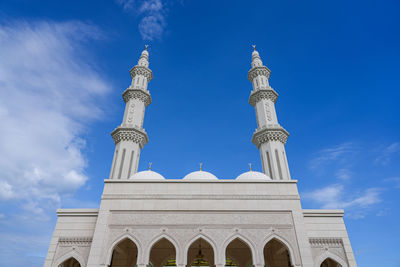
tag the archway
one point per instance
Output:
(71, 262)
(239, 253)
(163, 253)
(124, 254)
(200, 254)
(330, 263)
(276, 254)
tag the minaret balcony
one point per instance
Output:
(133, 93)
(258, 71)
(258, 95)
(133, 134)
(141, 70)
(269, 133)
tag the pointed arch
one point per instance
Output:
(283, 241)
(194, 239)
(71, 254)
(159, 238)
(120, 239)
(248, 242)
(320, 259)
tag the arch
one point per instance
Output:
(254, 255)
(71, 254)
(284, 242)
(194, 239)
(320, 259)
(120, 239)
(159, 238)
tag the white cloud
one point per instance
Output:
(342, 152)
(335, 196)
(48, 93)
(344, 174)
(152, 13)
(386, 154)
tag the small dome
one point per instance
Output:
(253, 176)
(255, 54)
(200, 176)
(147, 176)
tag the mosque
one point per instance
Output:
(145, 220)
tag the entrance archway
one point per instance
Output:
(239, 253)
(200, 254)
(276, 254)
(71, 262)
(330, 263)
(163, 253)
(124, 254)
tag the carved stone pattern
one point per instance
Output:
(75, 240)
(130, 112)
(328, 242)
(140, 70)
(137, 94)
(130, 134)
(268, 111)
(263, 94)
(268, 135)
(258, 71)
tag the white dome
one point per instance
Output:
(253, 176)
(200, 176)
(147, 176)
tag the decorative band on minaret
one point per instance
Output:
(269, 137)
(130, 137)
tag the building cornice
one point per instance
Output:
(258, 95)
(258, 71)
(268, 134)
(141, 70)
(132, 93)
(133, 134)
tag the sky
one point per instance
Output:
(65, 64)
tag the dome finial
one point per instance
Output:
(250, 166)
(201, 166)
(150, 166)
(146, 46)
(254, 47)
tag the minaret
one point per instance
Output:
(269, 137)
(130, 137)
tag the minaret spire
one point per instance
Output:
(130, 137)
(269, 137)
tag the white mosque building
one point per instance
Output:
(145, 220)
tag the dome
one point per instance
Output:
(147, 176)
(200, 176)
(253, 176)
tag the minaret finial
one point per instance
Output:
(250, 166)
(254, 47)
(201, 166)
(150, 166)
(146, 46)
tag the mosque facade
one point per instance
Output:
(145, 220)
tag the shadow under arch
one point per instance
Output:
(329, 255)
(282, 241)
(120, 239)
(71, 254)
(245, 240)
(160, 238)
(193, 240)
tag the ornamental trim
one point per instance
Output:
(134, 134)
(258, 95)
(141, 70)
(326, 242)
(77, 240)
(258, 71)
(137, 94)
(268, 134)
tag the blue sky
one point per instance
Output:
(64, 65)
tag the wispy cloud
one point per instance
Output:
(386, 154)
(340, 152)
(335, 196)
(152, 13)
(344, 174)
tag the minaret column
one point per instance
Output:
(130, 137)
(269, 137)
